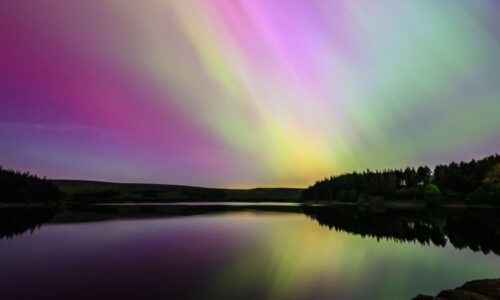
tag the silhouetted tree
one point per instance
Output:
(474, 180)
(424, 175)
(26, 188)
(432, 195)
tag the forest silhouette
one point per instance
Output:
(23, 187)
(474, 182)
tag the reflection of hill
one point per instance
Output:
(86, 213)
(16, 221)
(478, 230)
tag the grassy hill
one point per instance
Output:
(95, 191)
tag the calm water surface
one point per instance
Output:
(201, 203)
(248, 252)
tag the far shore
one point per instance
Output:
(389, 204)
(34, 204)
(401, 204)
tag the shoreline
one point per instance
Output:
(396, 204)
(475, 289)
(22, 205)
(391, 204)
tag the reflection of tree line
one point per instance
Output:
(478, 230)
(16, 221)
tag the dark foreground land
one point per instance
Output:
(487, 289)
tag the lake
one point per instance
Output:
(244, 251)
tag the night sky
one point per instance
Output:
(245, 93)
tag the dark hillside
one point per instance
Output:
(94, 191)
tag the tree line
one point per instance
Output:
(23, 187)
(477, 181)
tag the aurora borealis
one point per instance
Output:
(245, 93)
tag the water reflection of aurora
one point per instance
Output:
(309, 261)
(249, 252)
